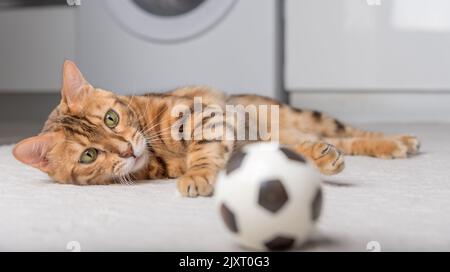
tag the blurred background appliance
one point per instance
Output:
(139, 46)
(29, 3)
(36, 36)
(370, 61)
(356, 59)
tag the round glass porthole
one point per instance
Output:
(168, 7)
(169, 20)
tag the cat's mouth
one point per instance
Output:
(139, 160)
(139, 163)
(134, 164)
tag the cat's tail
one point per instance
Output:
(308, 121)
(324, 124)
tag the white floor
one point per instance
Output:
(401, 204)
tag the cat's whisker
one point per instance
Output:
(163, 131)
(146, 108)
(156, 136)
(152, 127)
(159, 134)
(122, 180)
(130, 176)
(151, 122)
(128, 179)
(142, 117)
(125, 178)
(115, 179)
(154, 118)
(160, 131)
(129, 102)
(159, 139)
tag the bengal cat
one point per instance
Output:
(96, 137)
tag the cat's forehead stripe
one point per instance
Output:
(127, 107)
(118, 101)
(79, 125)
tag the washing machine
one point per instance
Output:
(136, 46)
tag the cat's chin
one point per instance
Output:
(139, 163)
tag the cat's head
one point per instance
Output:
(92, 137)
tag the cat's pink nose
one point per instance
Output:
(127, 153)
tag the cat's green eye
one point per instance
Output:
(89, 156)
(111, 119)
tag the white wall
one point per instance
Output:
(239, 54)
(348, 44)
(349, 50)
(33, 45)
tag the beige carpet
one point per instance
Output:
(401, 204)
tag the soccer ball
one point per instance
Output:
(269, 197)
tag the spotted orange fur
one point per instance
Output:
(142, 144)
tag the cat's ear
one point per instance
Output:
(75, 88)
(33, 151)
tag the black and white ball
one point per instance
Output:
(269, 197)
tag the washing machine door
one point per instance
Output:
(169, 20)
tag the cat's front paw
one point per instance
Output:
(328, 158)
(194, 185)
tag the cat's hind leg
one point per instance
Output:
(331, 129)
(411, 142)
(321, 124)
(395, 147)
